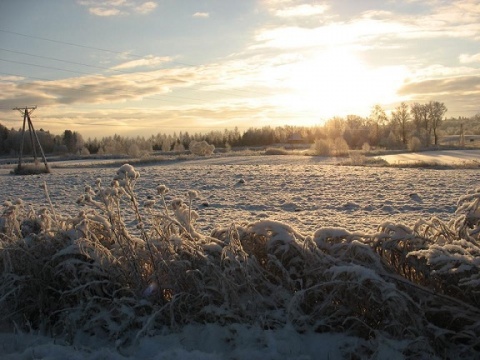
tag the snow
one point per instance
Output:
(208, 342)
(306, 192)
(440, 157)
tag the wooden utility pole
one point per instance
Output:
(462, 136)
(33, 137)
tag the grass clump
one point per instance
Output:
(276, 151)
(31, 169)
(124, 267)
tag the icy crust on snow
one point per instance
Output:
(308, 195)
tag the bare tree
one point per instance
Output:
(379, 118)
(436, 110)
(401, 121)
(421, 121)
(335, 127)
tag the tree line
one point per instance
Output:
(408, 126)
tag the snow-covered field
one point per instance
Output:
(305, 192)
(449, 157)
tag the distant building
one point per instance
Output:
(295, 139)
(457, 139)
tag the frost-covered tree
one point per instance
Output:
(356, 131)
(73, 141)
(421, 122)
(4, 132)
(378, 119)
(178, 146)
(201, 148)
(335, 127)
(401, 122)
(167, 144)
(436, 111)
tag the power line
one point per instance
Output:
(90, 74)
(69, 43)
(81, 64)
(109, 51)
(96, 67)
(44, 66)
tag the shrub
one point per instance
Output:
(276, 151)
(356, 158)
(201, 148)
(321, 147)
(340, 147)
(414, 144)
(178, 147)
(366, 147)
(31, 169)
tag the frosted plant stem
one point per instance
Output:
(145, 237)
(47, 195)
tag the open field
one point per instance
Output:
(305, 192)
(306, 288)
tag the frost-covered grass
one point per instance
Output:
(123, 268)
(31, 169)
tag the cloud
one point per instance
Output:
(10, 78)
(95, 89)
(100, 11)
(468, 59)
(146, 121)
(302, 10)
(146, 7)
(334, 34)
(452, 85)
(107, 8)
(201, 15)
(149, 61)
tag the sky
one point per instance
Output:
(139, 68)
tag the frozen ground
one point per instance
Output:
(304, 192)
(440, 157)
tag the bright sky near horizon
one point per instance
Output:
(136, 67)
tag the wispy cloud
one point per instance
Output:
(302, 10)
(148, 61)
(102, 11)
(469, 59)
(95, 89)
(337, 34)
(146, 7)
(461, 84)
(201, 15)
(107, 8)
(147, 121)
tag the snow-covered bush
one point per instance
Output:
(201, 148)
(340, 147)
(414, 144)
(124, 267)
(366, 147)
(321, 147)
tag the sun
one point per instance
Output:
(336, 82)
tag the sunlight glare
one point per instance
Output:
(338, 83)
